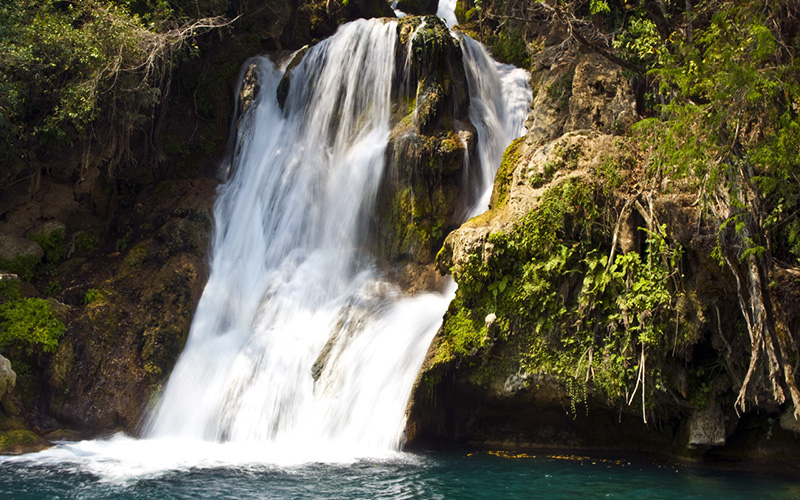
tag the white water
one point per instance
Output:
(446, 9)
(289, 274)
(498, 116)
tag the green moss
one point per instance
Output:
(566, 311)
(505, 172)
(135, 258)
(23, 266)
(463, 333)
(86, 242)
(18, 441)
(509, 46)
(53, 245)
(92, 295)
(466, 11)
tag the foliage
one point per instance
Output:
(640, 42)
(23, 266)
(85, 241)
(572, 313)
(67, 64)
(733, 122)
(730, 128)
(28, 323)
(91, 295)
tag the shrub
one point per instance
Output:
(29, 323)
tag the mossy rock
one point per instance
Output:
(465, 11)
(21, 441)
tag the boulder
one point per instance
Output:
(707, 427)
(428, 145)
(13, 247)
(8, 378)
(418, 7)
(789, 421)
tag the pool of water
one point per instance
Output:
(451, 475)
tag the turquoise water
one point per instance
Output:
(405, 476)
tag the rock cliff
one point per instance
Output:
(590, 312)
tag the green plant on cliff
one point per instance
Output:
(29, 323)
(571, 312)
(730, 127)
(66, 65)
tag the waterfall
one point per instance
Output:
(499, 117)
(446, 9)
(298, 340)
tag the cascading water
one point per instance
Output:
(499, 117)
(287, 273)
(291, 297)
(446, 9)
(288, 281)
(300, 346)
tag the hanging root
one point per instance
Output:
(763, 340)
(640, 378)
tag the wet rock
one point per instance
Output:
(416, 278)
(251, 85)
(418, 7)
(21, 441)
(123, 339)
(429, 144)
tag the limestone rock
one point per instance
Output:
(707, 427)
(571, 93)
(48, 230)
(59, 202)
(602, 99)
(119, 348)
(552, 85)
(789, 422)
